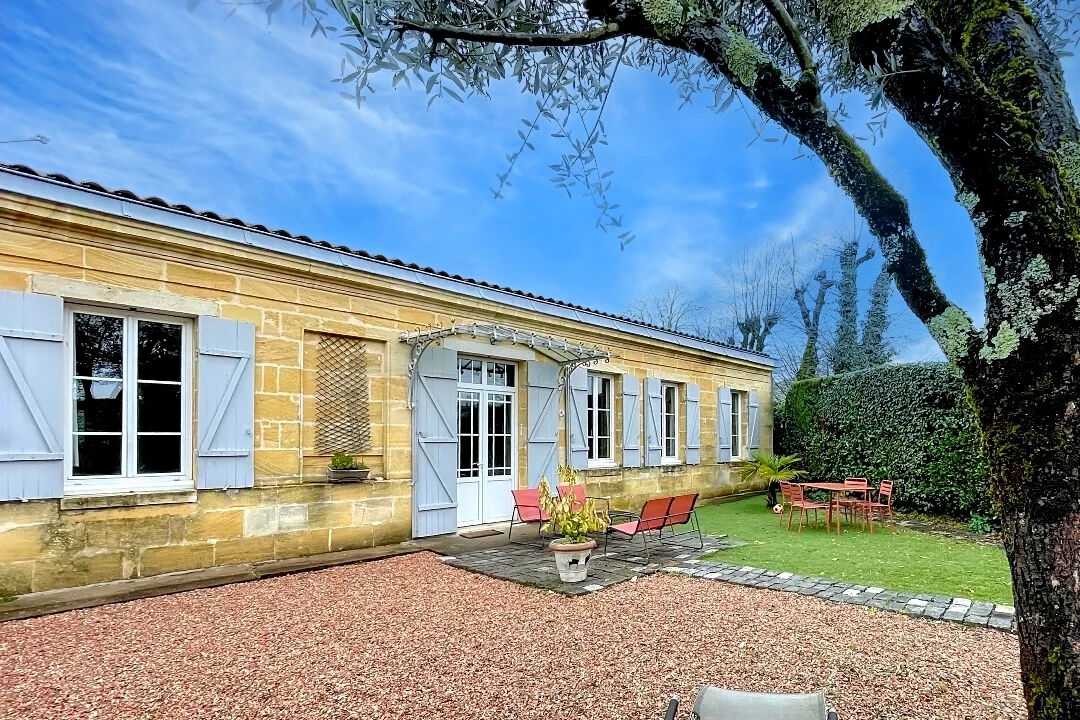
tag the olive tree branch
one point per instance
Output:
(455, 32)
(791, 31)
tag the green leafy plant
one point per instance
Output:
(344, 461)
(573, 523)
(772, 470)
(979, 525)
(763, 465)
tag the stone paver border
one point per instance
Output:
(933, 607)
(534, 567)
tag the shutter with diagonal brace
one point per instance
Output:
(435, 448)
(693, 424)
(543, 399)
(723, 425)
(653, 418)
(631, 421)
(577, 411)
(755, 430)
(31, 396)
(226, 389)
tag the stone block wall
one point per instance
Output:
(91, 258)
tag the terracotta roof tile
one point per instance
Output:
(187, 209)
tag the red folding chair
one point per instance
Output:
(858, 504)
(578, 491)
(653, 515)
(528, 511)
(804, 506)
(785, 500)
(883, 508)
(682, 512)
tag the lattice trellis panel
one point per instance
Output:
(342, 395)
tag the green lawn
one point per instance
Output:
(902, 560)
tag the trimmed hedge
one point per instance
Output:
(908, 423)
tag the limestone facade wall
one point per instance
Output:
(93, 258)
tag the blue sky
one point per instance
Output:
(233, 116)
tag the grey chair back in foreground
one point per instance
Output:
(714, 703)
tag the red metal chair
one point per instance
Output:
(528, 511)
(682, 512)
(578, 491)
(654, 513)
(785, 499)
(857, 504)
(883, 508)
(804, 506)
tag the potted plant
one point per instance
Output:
(773, 469)
(573, 522)
(344, 468)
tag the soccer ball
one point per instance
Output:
(778, 509)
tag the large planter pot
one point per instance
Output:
(572, 559)
(347, 475)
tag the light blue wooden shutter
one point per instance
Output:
(226, 390)
(543, 399)
(32, 391)
(435, 447)
(631, 421)
(723, 425)
(693, 424)
(577, 411)
(755, 429)
(653, 405)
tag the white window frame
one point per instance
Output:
(736, 424)
(483, 388)
(595, 380)
(129, 481)
(666, 459)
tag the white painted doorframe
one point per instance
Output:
(484, 497)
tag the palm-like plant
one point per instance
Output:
(773, 469)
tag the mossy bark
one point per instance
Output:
(987, 95)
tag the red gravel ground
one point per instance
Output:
(412, 638)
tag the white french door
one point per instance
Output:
(487, 451)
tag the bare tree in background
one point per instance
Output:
(674, 308)
(758, 297)
(811, 321)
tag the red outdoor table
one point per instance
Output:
(834, 489)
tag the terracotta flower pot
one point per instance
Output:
(572, 559)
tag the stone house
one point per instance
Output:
(172, 383)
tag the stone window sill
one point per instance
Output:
(603, 471)
(133, 499)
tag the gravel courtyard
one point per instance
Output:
(410, 637)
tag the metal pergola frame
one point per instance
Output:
(568, 355)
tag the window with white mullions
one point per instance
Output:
(130, 396)
(600, 420)
(669, 421)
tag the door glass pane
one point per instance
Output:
(499, 434)
(98, 405)
(159, 408)
(99, 346)
(159, 351)
(158, 454)
(95, 455)
(470, 371)
(468, 434)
